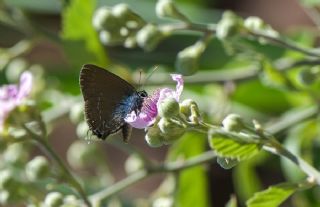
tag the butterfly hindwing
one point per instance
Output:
(105, 97)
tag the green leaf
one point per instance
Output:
(192, 182)
(230, 148)
(80, 39)
(273, 196)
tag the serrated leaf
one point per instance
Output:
(229, 148)
(80, 39)
(273, 196)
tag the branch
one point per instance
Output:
(142, 174)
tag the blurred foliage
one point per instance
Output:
(235, 65)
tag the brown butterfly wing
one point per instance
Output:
(102, 92)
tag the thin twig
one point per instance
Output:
(66, 173)
(142, 174)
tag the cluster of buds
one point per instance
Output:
(173, 121)
(120, 25)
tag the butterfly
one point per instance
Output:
(108, 99)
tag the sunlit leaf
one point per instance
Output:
(229, 148)
(273, 196)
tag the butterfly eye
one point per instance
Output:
(143, 94)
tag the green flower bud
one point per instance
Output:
(149, 37)
(167, 9)
(81, 154)
(171, 130)
(7, 181)
(16, 153)
(53, 199)
(190, 109)
(154, 136)
(254, 23)
(168, 108)
(103, 19)
(228, 25)
(133, 164)
(111, 37)
(130, 42)
(233, 122)
(126, 16)
(37, 168)
(71, 201)
(15, 68)
(187, 59)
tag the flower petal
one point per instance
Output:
(25, 85)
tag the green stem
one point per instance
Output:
(67, 175)
(275, 147)
(99, 197)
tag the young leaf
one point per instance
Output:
(273, 196)
(229, 148)
(81, 40)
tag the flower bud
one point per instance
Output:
(233, 122)
(16, 153)
(228, 25)
(125, 15)
(187, 59)
(168, 108)
(149, 37)
(7, 181)
(154, 136)
(166, 8)
(111, 37)
(53, 199)
(254, 23)
(15, 68)
(133, 164)
(37, 168)
(80, 154)
(130, 42)
(171, 130)
(190, 109)
(103, 19)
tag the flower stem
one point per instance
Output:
(67, 175)
(99, 197)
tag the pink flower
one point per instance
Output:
(12, 96)
(149, 110)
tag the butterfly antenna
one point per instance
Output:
(150, 74)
